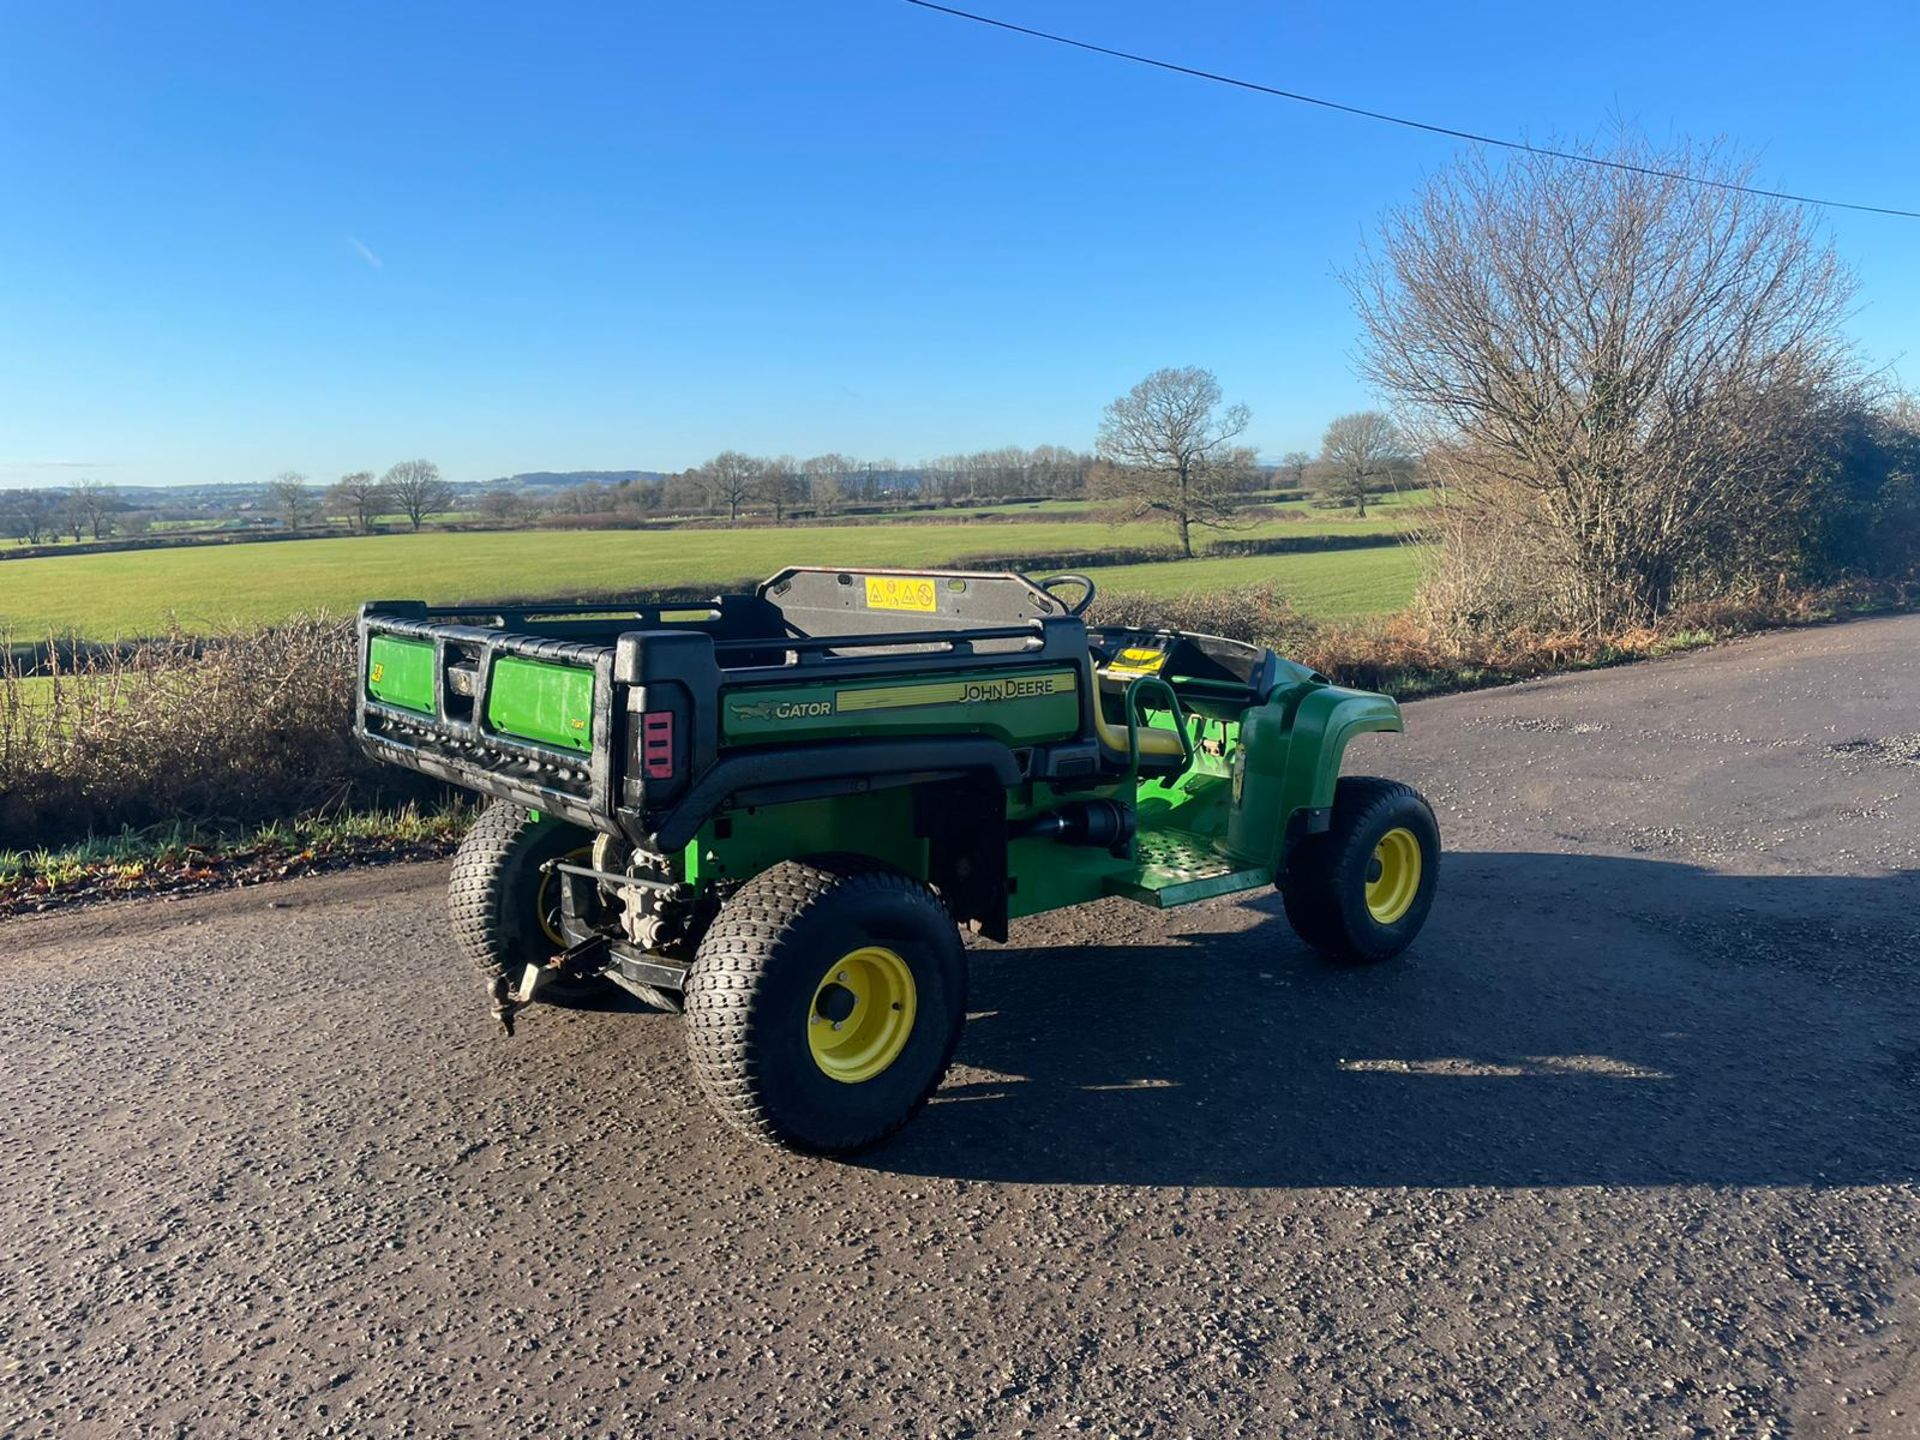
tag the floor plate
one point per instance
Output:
(1177, 867)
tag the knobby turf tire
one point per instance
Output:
(751, 989)
(1325, 886)
(492, 892)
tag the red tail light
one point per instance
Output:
(656, 745)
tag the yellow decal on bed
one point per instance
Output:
(902, 592)
(1137, 661)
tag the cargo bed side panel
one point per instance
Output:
(1017, 707)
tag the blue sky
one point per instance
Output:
(240, 238)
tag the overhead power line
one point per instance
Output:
(1570, 156)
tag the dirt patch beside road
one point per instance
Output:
(1627, 1145)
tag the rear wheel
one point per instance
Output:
(1362, 889)
(825, 1003)
(505, 910)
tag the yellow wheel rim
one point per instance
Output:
(1393, 876)
(861, 1015)
(547, 901)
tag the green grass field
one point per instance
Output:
(141, 592)
(35, 691)
(1332, 585)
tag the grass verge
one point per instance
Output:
(183, 858)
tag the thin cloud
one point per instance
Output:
(364, 251)
(54, 464)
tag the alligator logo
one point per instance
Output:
(781, 709)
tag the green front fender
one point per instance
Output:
(1292, 747)
(1326, 719)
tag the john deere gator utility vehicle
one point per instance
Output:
(774, 811)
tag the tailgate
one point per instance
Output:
(519, 717)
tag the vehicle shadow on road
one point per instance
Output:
(1564, 1020)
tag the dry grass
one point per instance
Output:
(228, 730)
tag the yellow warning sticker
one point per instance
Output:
(1137, 661)
(902, 592)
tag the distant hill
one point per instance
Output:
(191, 494)
(567, 479)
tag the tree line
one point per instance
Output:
(87, 510)
(734, 483)
(1361, 456)
(1211, 481)
(412, 489)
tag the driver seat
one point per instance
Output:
(1161, 754)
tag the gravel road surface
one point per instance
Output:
(1627, 1145)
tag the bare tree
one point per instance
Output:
(360, 497)
(1620, 377)
(30, 515)
(642, 496)
(825, 477)
(416, 488)
(686, 490)
(1170, 450)
(732, 479)
(1357, 452)
(943, 480)
(1292, 470)
(505, 505)
(91, 505)
(293, 500)
(780, 485)
(589, 497)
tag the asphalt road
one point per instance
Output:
(1627, 1145)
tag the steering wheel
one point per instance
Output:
(1079, 606)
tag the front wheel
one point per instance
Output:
(1362, 889)
(825, 1003)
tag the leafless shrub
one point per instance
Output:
(235, 728)
(1624, 380)
(1260, 616)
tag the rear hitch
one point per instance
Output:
(576, 962)
(503, 1000)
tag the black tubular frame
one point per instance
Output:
(459, 751)
(955, 641)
